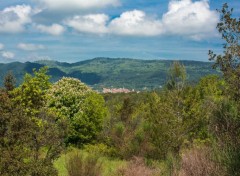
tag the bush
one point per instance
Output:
(137, 167)
(99, 150)
(199, 162)
(125, 129)
(79, 164)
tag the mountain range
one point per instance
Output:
(111, 72)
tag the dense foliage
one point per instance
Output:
(32, 133)
(30, 138)
(81, 107)
(226, 115)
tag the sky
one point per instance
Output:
(76, 30)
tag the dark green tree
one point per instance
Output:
(30, 139)
(9, 81)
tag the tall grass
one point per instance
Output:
(199, 162)
(137, 167)
(78, 164)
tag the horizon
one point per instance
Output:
(111, 58)
(73, 31)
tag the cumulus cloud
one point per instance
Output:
(194, 19)
(7, 55)
(30, 46)
(129, 23)
(77, 4)
(135, 23)
(54, 29)
(94, 23)
(13, 19)
(1, 46)
(185, 18)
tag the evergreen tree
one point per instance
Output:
(9, 81)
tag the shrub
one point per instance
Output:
(99, 149)
(79, 164)
(137, 167)
(125, 129)
(199, 162)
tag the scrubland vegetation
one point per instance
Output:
(66, 128)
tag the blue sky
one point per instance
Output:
(75, 30)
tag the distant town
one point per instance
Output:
(118, 90)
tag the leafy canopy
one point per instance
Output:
(80, 106)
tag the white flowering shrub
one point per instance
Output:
(82, 108)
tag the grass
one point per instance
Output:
(109, 165)
(60, 165)
(193, 162)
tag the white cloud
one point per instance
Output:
(54, 29)
(77, 4)
(136, 23)
(186, 18)
(1, 46)
(8, 55)
(94, 23)
(193, 19)
(13, 19)
(30, 46)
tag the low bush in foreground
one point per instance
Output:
(78, 164)
(199, 162)
(137, 167)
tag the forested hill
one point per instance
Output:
(109, 72)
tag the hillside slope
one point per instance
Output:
(109, 72)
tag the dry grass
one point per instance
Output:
(137, 167)
(198, 162)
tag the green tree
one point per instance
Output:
(176, 116)
(167, 114)
(9, 81)
(125, 128)
(164, 126)
(87, 123)
(13, 142)
(211, 88)
(31, 94)
(80, 106)
(176, 76)
(225, 121)
(229, 61)
(26, 147)
(30, 138)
